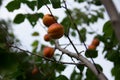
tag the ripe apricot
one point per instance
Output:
(35, 70)
(48, 52)
(56, 31)
(95, 42)
(91, 47)
(47, 37)
(48, 19)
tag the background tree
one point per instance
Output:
(21, 64)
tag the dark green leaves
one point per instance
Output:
(97, 2)
(75, 76)
(41, 3)
(56, 3)
(19, 18)
(60, 67)
(91, 53)
(107, 28)
(35, 43)
(13, 5)
(35, 34)
(116, 71)
(31, 4)
(61, 77)
(32, 18)
(83, 34)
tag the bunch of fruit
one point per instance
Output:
(94, 44)
(55, 31)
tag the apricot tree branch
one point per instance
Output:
(87, 63)
(114, 16)
(48, 59)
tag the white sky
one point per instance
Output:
(24, 30)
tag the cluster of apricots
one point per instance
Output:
(94, 44)
(55, 31)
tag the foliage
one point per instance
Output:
(17, 64)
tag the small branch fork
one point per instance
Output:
(86, 62)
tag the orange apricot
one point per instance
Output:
(35, 70)
(56, 31)
(48, 52)
(48, 19)
(95, 42)
(47, 37)
(91, 47)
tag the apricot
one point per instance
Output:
(56, 31)
(48, 52)
(48, 19)
(47, 37)
(35, 70)
(95, 42)
(91, 47)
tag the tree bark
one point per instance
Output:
(114, 16)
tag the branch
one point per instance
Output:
(48, 59)
(87, 63)
(114, 16)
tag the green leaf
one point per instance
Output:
(35, 43)
(13, 5)
(97, 2)
(35, 34)
(73, 33)
(19, 18)
(83, 34)
(93, 18)
(91, 53)
(33, 18)
(90, 75)
(80, 1)
(61, 77)
(75, 76)
(116, 71)
(67, 24)
(60, 67)
(107, 28)
(42, 3)
(80, 67)
(56, 3)
(31, 4)
(113, 55)
(7, 59)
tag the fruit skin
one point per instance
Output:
(35, 70)
(56, 31)
(48, 52)
(47, 37)
(48, 19)
(91, 47)
(95, 42)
